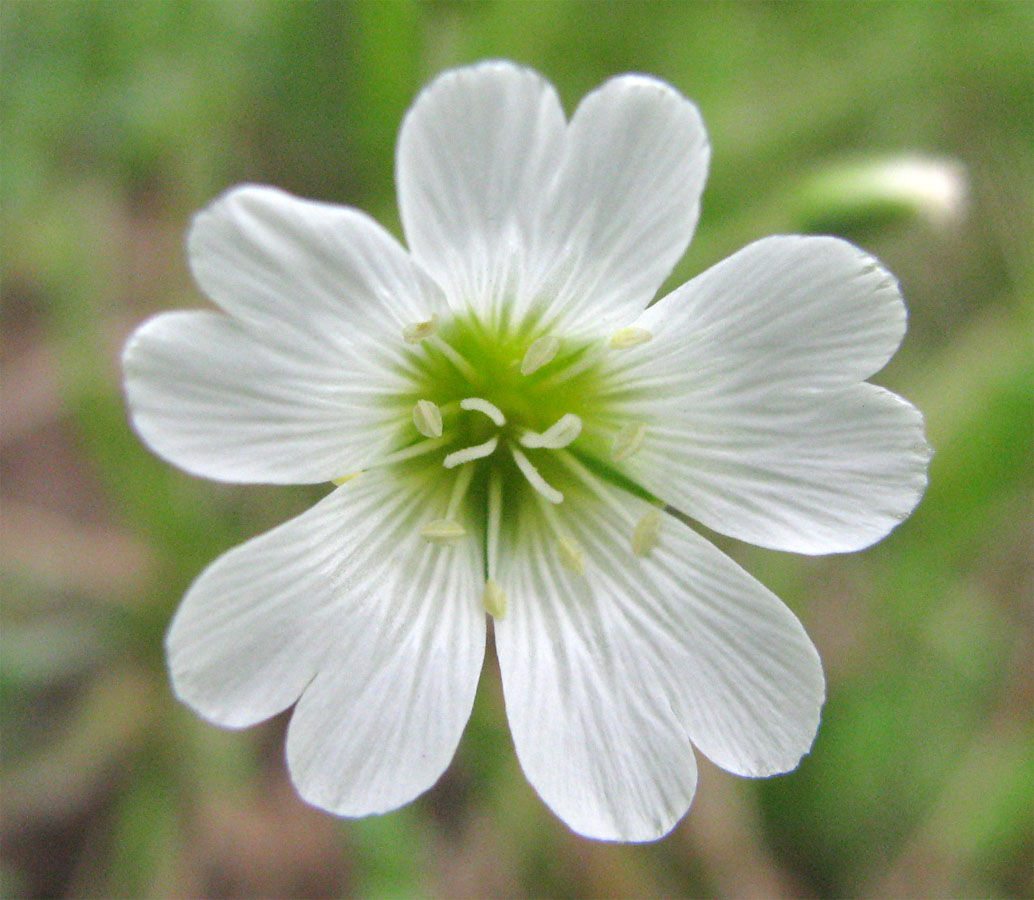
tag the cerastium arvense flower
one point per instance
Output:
(505, 418)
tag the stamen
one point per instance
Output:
(447, 530)
(459, 490)
(483, 406)
(417, 449)
(627, 441)
(417, 331)
(495, 518)
(540, 352)
(468, 454)
(443, 531)
(456, 359)
(632, 336)
(427, 418)
(571, 556)
(592, 481)
(589, 358)
(645, 534)
(534, 478)
(561, 433)
(494, 600)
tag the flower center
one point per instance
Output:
(513, 393)
(507, 416)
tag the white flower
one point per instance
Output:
(518, 417)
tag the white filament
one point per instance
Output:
(443, 531)
(495, 518)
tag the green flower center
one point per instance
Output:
(531, 377)
(510, 415)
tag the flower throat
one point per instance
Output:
(521, 415)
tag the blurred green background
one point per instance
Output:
(120, 119)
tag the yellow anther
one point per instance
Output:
(443, 531)
(417, 331)
(624, 338)
(427, 418)
(627, 441)
(571, 554)
(645, 535)
(541, 351)
(340, 481)
(494, 599)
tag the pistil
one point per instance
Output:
(534, 478)
(469, 454)
(561, 433)
(483, 406)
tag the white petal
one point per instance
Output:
(320, 274)
(212, 397)
(506, 206)
(381, 721)
(250, 633)
(606, 675)
(783, 312)
(475, 153)
(807, 471)
(755, 421)
(624, 204)
(381, 632)
(743, 672)
(589, 709)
